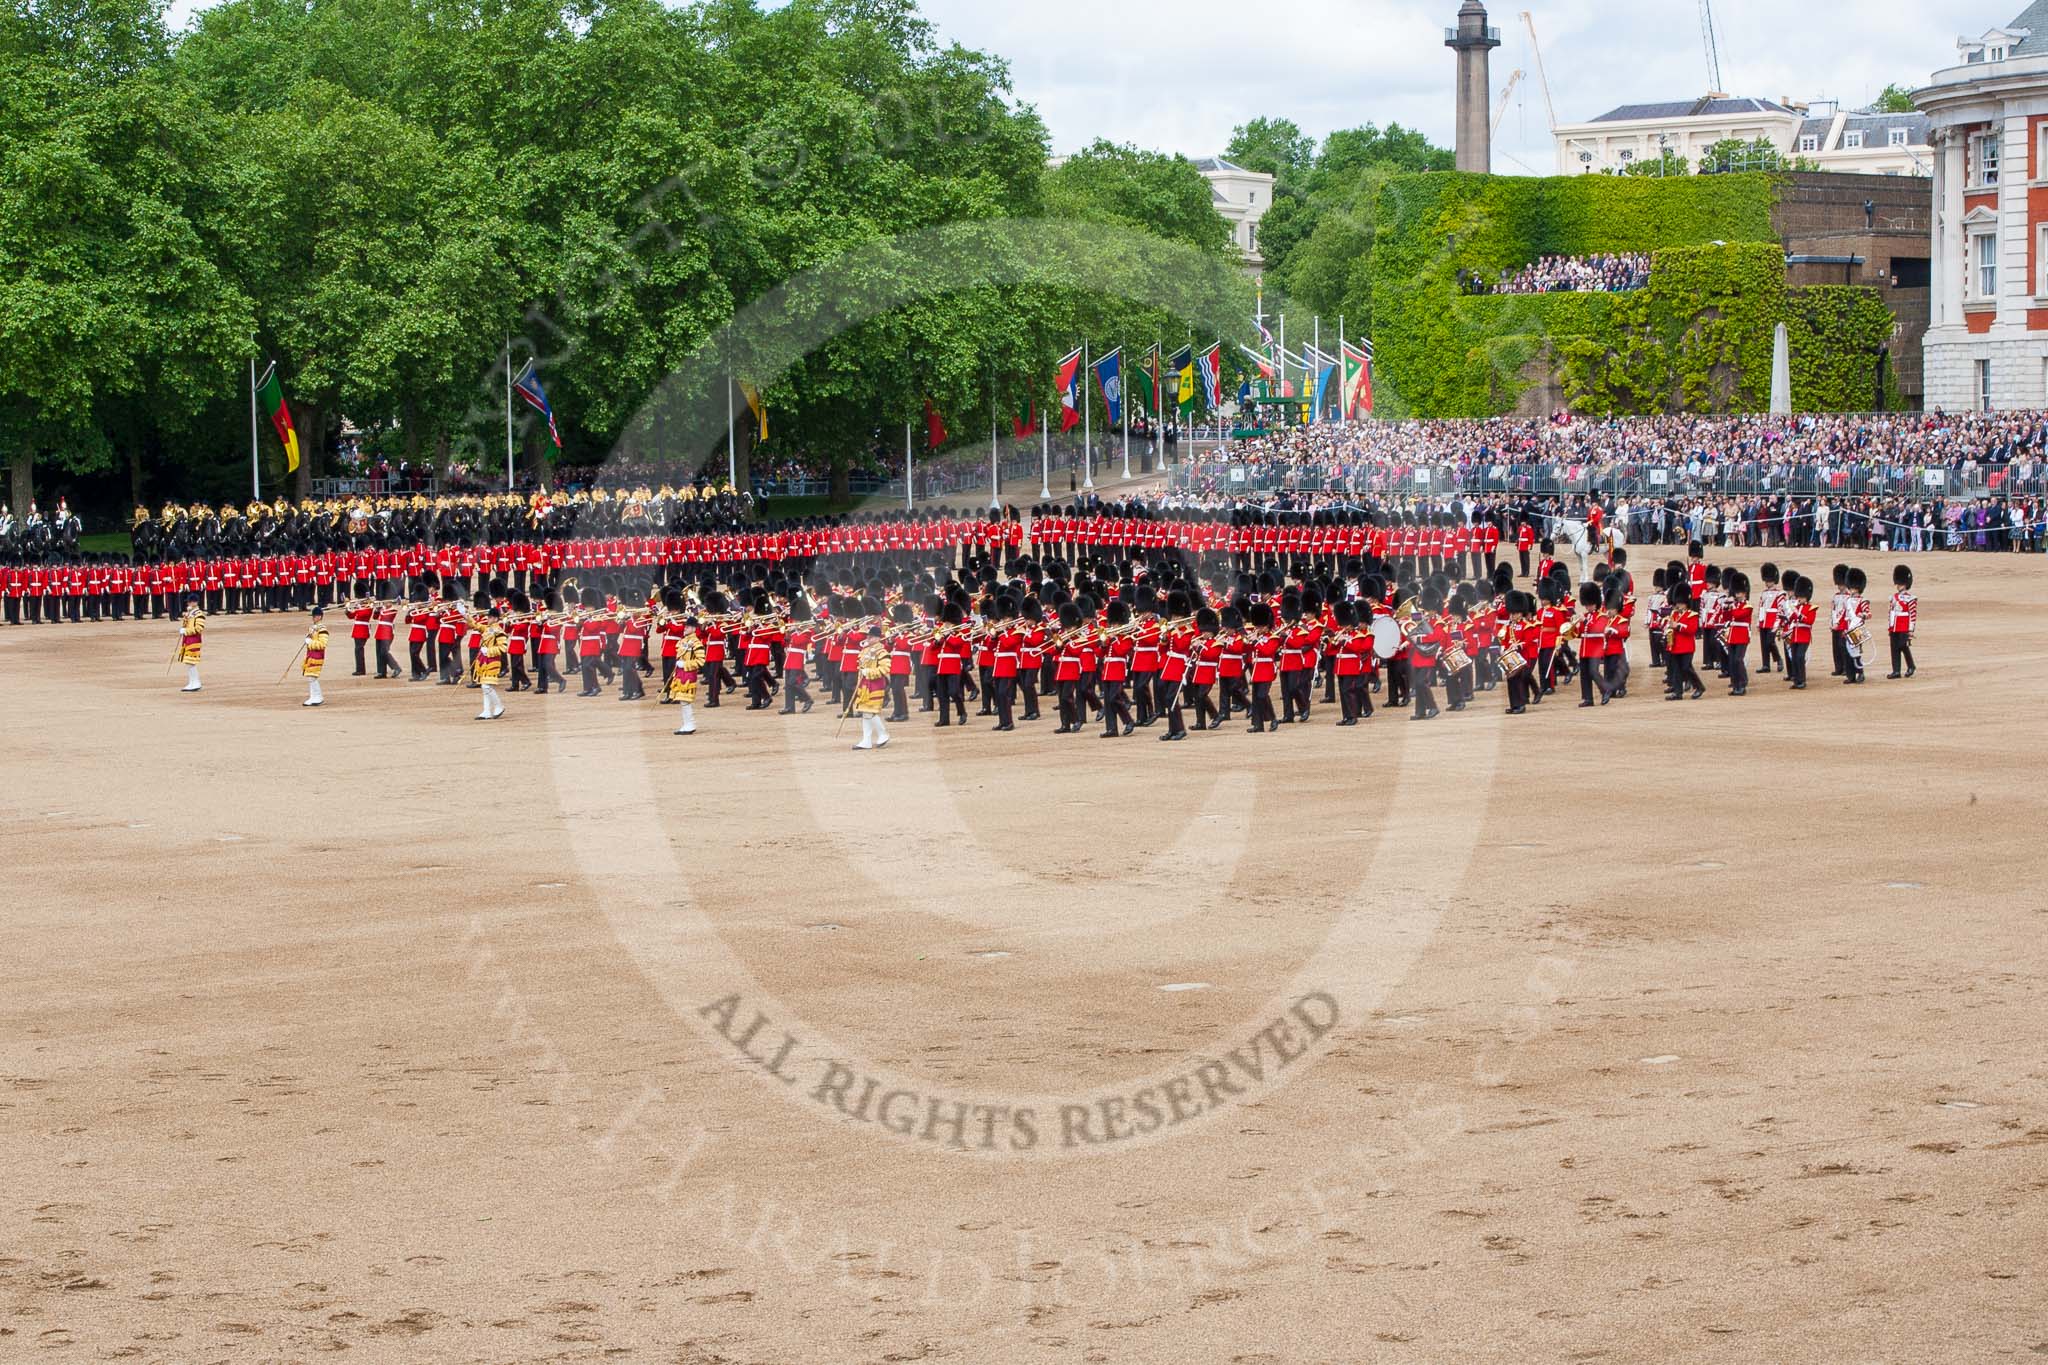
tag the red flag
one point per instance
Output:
(934, 426)
(1070, 391)
(1025, 423)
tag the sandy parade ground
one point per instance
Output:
(1694, 1031)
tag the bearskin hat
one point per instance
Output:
(1206, 621)
(1118, 614)
(1856, 579)
(1902, 576)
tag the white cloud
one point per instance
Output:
(1179, 76)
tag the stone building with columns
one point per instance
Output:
(1987, 334)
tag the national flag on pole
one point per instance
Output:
(1109, 377)
(1357, 397)
(527, 386)
(1147, 377)
(1326, 378)
(1265, 365)
(934, 426)
(270, 394)
(1211, 364)
(755, 405)
(1025, 423)
(1182, 368)
(1069, 385)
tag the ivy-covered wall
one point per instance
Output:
(1697, 339)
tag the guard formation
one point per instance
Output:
(1108, 624)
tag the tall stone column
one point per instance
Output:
(1937, 297)
(1472, 40)
(1952, 264)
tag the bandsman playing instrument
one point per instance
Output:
(1856, 620)
(1903, 620)
(315, 658)
(1739, 614)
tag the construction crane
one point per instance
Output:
(1541, 79)
(1713, 49)
(1501, 109)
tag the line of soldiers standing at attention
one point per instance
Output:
(1123, 641)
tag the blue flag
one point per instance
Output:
(527, 386)
(1110, 379)
(1325, 377)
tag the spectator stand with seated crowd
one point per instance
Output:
(1604, 274)
(1903, 481)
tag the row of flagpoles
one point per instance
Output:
(1196, 376)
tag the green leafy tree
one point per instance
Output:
(1276, 146)
(1893, 99)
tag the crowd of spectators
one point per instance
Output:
(1863, 454)
(1904, 481)
(1603, 274)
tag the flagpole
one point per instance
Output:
(1045, 459)
(732, 459)
(1159, 402)
(995, 473)
(1123, 407)
(909, 472)
(508, 413)
(1087, 430)
(1343, 398)
(255, 466)
(1283, 366)
(1315, 384)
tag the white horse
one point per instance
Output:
(1570, 531)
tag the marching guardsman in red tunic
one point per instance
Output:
(386, 621)
(1009, 647)
(1067, 669)
(1265, 667)
(1593, 628)
(1902, 621)
(358, 614)
(1737, 615)
(1525, 541)
(901, 661)
(1770, 614)
(1802, 616)
(796, 656)
(315, 658)
(1681, 639)
(1205, 652)
(1116, 673)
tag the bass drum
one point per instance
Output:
(1386, 637)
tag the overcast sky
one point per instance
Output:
(1178, 76)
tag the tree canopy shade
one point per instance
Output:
(1893, 99)
(379, 193)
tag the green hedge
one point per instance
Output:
(1697, 339)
